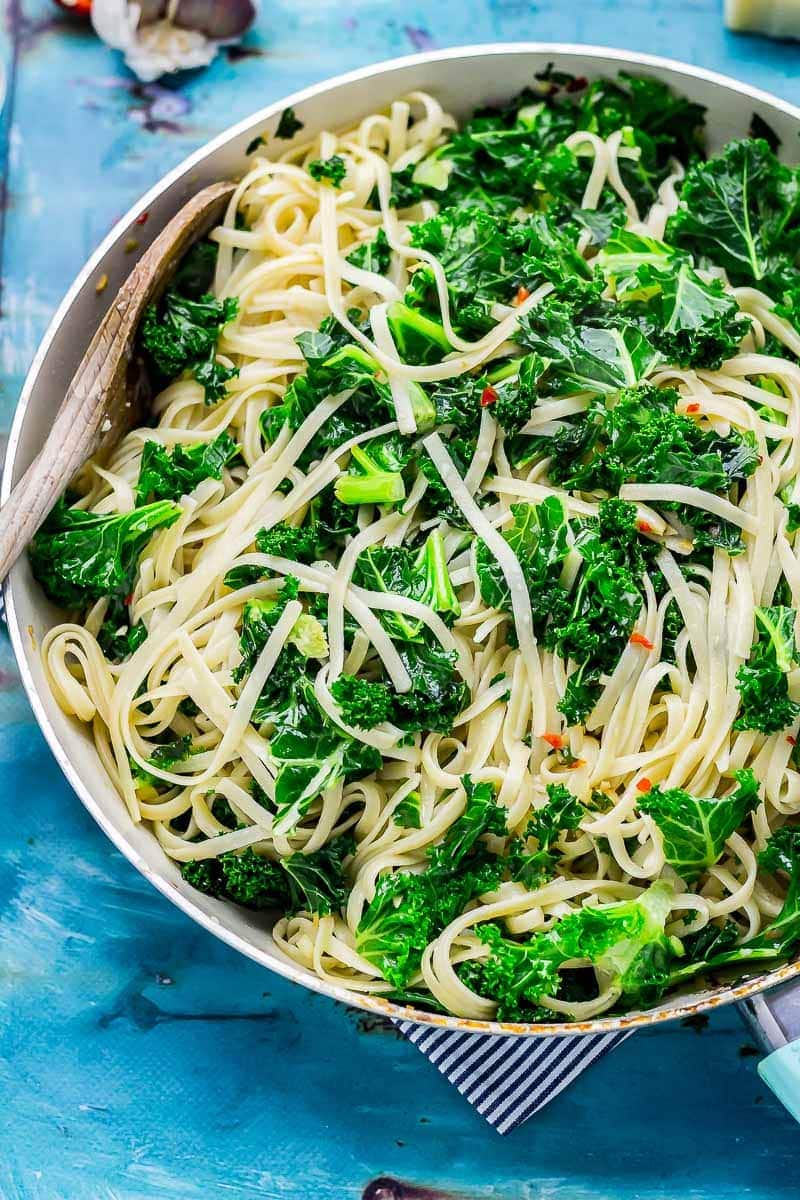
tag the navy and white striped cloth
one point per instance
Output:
(508, 1079)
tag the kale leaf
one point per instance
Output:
(169, 474)
(288, 125)
(335, 363)
(778, 939)
(741, 210)
(408, 813)
(306, 640)
(117, 638)
(79, 556)
(373, 256)
(638, 437)
(588, 348)
(438, 691)
(314, 883)
(694, 829)
(591, 622)
(363, 703)
(409, 908)
(624, 941)
(312, 754)
(487, 258)
(562, 812)
(180, 334)
(417, 574)
(762, 681)
(332, 170)
(538, 538)
(692, 322)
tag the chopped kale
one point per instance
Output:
(331, 170)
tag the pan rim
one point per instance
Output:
(280, 964)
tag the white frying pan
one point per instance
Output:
(462, 79)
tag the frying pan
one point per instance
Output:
(462, 79)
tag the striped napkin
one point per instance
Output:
(508, 1079)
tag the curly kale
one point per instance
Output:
(691, 321)
(306, 640)
(409, 908)
(331, 170)
(777, 940)
(373, 256)
(180, 334)
(420, 575)
(311, 754)
(438, 691)
(336, 363)
(590, 622)
(169, 474)
(313, 883)
(509, 391)
(80, 556)
(637, 436)
(763, 680)
(562, 813)
(486, 259)
(363, 703)
(514, 155)
(625, 941)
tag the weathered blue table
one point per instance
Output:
(140, 1059)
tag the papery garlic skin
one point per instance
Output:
(152, 49)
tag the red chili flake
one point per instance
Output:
(128, 599)
(142, 218)
(791, 740)
(693, 408)
(638, 639)
(78, 8)
(554, 739)
(644, 527)
(488, 396)
(577, 84)
(521, 296)
(644, 785)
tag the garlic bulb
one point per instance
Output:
(161, 36)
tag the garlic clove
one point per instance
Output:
(151, 10)
(217, 19)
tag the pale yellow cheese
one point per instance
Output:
(775, 18)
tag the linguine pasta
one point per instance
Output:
(664, 714)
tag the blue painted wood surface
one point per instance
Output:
(140, 1059)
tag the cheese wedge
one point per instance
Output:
(775, 18)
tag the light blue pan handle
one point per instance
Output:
(781, 1071)
(774, 1018)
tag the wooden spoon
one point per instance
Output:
(105, 398)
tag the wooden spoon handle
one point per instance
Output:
(97, 407)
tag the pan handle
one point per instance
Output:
(781, 1072)
(774, 1018)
